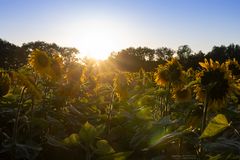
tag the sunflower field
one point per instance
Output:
(57, 108)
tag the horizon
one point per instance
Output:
(98, 28)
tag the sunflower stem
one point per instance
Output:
(168, 100)
(15, 127)
(204, 118)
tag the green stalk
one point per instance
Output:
(204, 118)
(168, 99)
(31, 112)
(109, 114)
(15, 128)
(203, 126)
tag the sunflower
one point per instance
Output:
(4, 83)
(161, 76)
(182, 95)
(56, 67)
(215, 84)
(26, 79)
(234, 67)
(40, 62)
(171, 72)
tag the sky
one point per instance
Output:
(99, 27)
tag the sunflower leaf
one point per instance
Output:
(218, 124)
(73, 139)
(88, 133)
(103, 147)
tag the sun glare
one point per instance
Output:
(98, 40)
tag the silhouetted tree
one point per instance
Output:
(183, 54)
(68, 54)
(126, 60)
(218, 54)
(194, 59)
(133, 59)
(163, 54)
(11, 56)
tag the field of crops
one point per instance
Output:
(59, 108)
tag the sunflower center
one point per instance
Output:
(43, 61)
(174, 72)
(216, 84)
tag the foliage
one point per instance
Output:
(55, 107)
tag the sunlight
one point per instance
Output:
(98, 40)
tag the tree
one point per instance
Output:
(184, 52)
(68, 54)
(218, 54)
(194, 59)
(164, 53)
(11, 56)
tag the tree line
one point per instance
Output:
(130, 59)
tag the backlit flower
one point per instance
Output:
(234, 67)
(56, 67)
(171, 72)
(182, 95)
(40, 62)
(215, 84)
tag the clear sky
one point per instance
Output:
(98, 27)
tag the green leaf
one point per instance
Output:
(216, 157)
(100, 129)
(218, 124)
(55, 142)
(103, 147)
(146, 100)
(167, 121)
(88, 133)
(162, 138)
(144, 113)
(73, 139)
(223, 145)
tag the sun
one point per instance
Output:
(98, 40)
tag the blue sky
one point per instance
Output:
(102, 26)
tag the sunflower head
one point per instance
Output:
(234, 67)
(215, 83)
(171, 72)
(182, 95)
(161, 76)
(4, 83)
(40, 62)
(56, 67)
